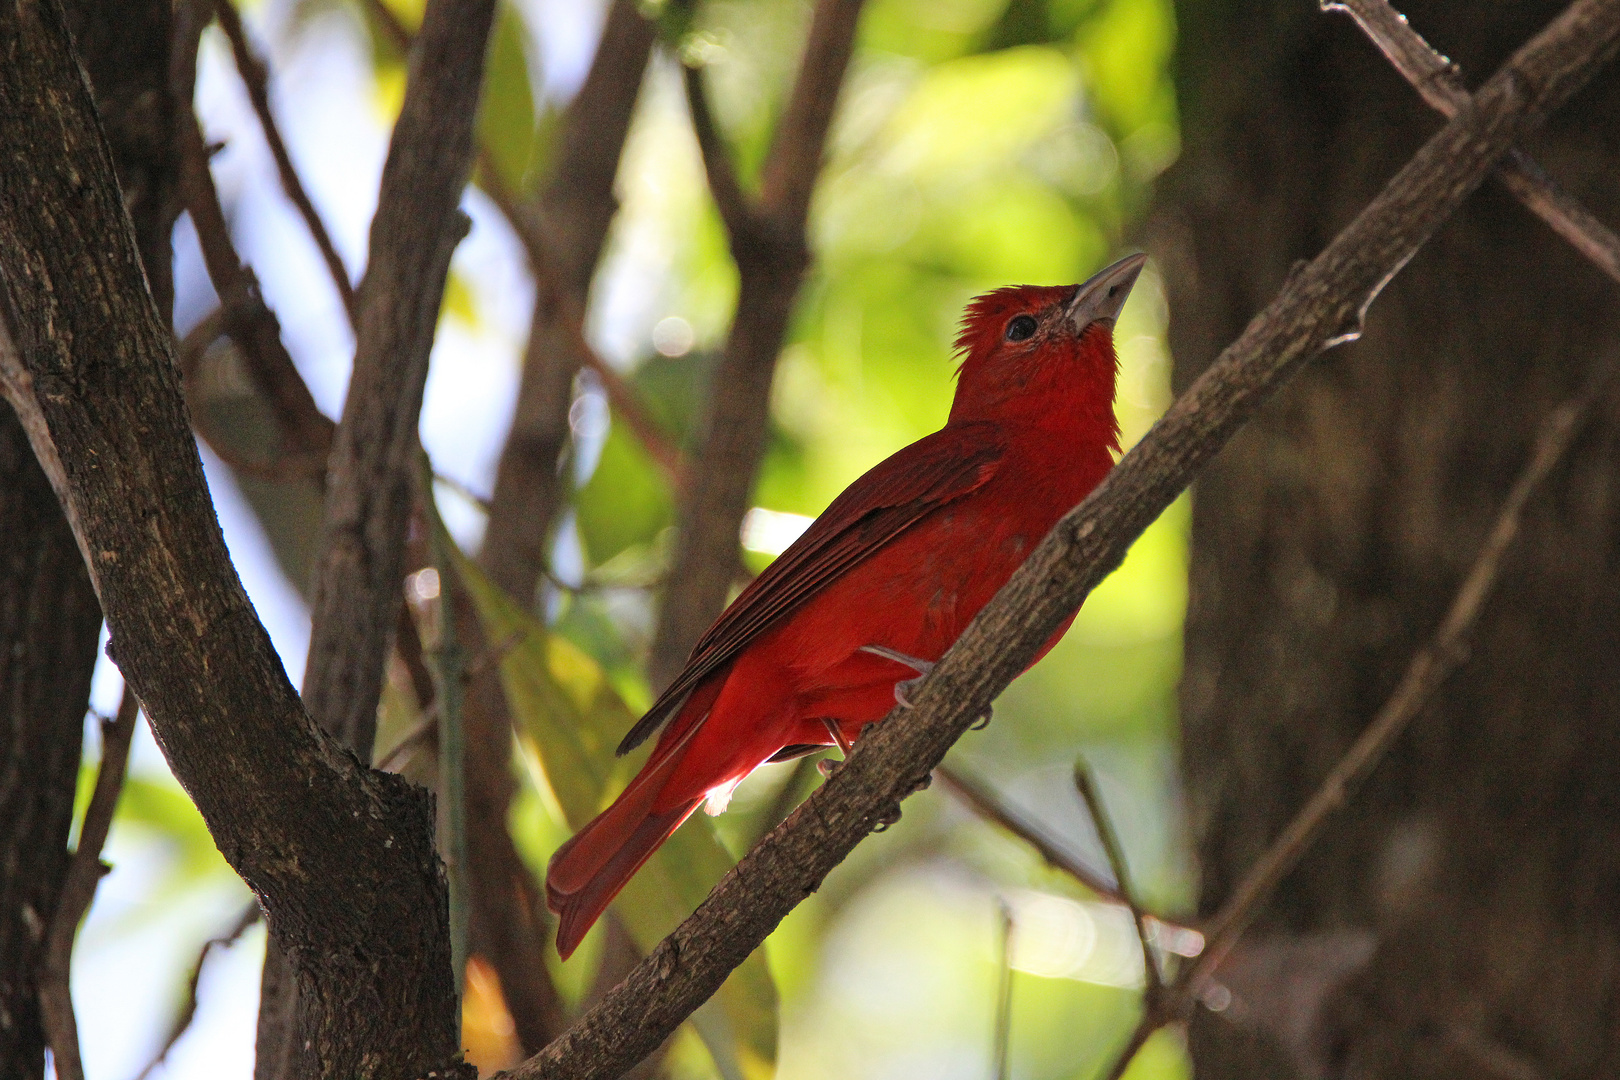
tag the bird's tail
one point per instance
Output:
(588, 871)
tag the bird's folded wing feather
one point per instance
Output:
(893, 496)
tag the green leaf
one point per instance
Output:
(506, 120)
(571, 718)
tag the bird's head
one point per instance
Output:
(1044, 354)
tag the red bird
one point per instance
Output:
(832, 634)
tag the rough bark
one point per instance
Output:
(341, 858)
(371, 477)
(1458, 920)
(49, 617)
(49, 621)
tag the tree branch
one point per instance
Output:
(337, 854)
(256, 77)
(769, 246)
(417, 227)
(736, 213)
(1320, 304)
(1435, 78)
(1086, 784)
(79, 888)
(305, 430)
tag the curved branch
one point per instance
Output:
(1320, 305)
(735, 211)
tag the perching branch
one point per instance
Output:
(768, 244)
(1321, 304)
(79, 888)
(256, 78)
(1435, 78)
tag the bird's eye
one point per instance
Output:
(1020, 328)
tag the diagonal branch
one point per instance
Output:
(736, 213)
(1086, 784)
(1321, 304)
(256, 78)
(1435, 78)
(771, 251)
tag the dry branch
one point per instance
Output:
(1436, 79)
(79, 888)
(1320, 304)
(768, 244)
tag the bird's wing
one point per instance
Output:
(873, 510)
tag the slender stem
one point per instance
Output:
(1003, 1029)
(449, 676)
(1087, 786)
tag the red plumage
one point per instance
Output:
(902, 560)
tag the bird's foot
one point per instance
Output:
(827, 766)
(984, 719)
(902, 690)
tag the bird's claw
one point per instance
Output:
(827, 766)
(889, 817)
(984, 719)
(902, 690)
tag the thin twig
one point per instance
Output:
(1087, 786)
(251, 914)
(1150, 1022)
(249, 321)
(1002, 1036)
(625, 399)
(79, 889)
(736, 212)
(1436, 78)
(449, 677)
(978, 797)
(256, 77)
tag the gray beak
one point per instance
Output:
(1101, 298)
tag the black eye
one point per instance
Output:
(1020, 328)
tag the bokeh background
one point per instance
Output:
(978, 143)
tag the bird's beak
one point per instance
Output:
(1100, 299)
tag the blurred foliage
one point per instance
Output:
(978, 143)
(568, 719)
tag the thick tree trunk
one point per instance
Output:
(49, 617)
(49, 620)
(1462, 917)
